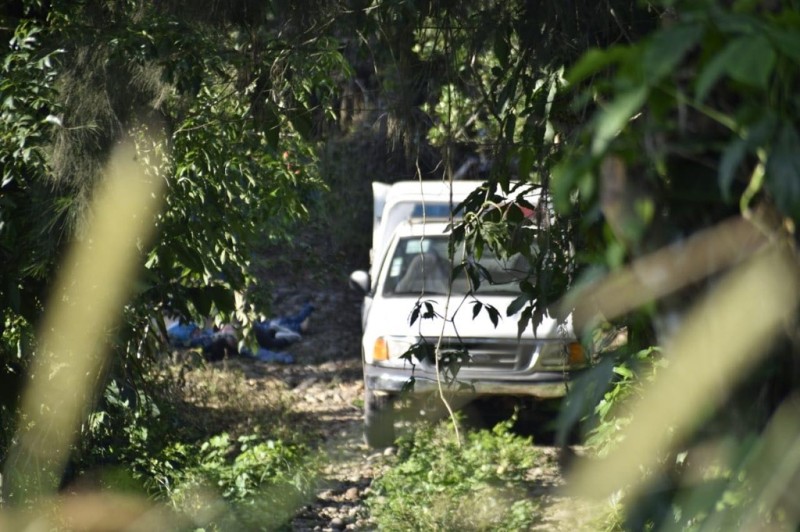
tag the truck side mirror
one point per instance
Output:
(359, 280)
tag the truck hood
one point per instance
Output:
(390, 317)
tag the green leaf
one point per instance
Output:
(524, 320)
(301, 120)
(527, 287)
(712, 71)
(53, 119)
(735, 152)
(501, 49)
(783, 171)
(623, 371)
(510, 127)
(484, 272)
(202, 300)
(516, 305)
(566, 177)
(527, 157)
(732, 157)
(494, 315)
(476, 308)
(585, 393)
(595, 60)
(787, 42)
(272, 125)
(611, 120)
(755, 59)
(666, 49)
(458, 269)
(414, 313)
(223, 298)
(749, 59)
(507, 95)
(14, 297)
(474, 277)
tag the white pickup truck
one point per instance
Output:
(411, 270)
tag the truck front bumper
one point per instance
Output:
(541, 385)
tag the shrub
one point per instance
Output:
(249, 483)
(246, 481)
(439, 485)
(630, 378)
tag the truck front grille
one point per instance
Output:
(490, 354)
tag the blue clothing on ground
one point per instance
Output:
(265, 355)
(294, 322)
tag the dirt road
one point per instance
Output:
(326, 387)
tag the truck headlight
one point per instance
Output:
(390, 348)
(380, 351)
(575, 354)
(558, 356)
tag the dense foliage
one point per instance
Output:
(688, 131)
(642, 124)
(237, 104)
(222, 104)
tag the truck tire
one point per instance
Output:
(378, 419)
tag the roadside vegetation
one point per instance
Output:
(165, 158)
(437, 484)
(218, 448)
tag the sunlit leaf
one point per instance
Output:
(623, 371)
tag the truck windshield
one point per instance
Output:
(420, 265)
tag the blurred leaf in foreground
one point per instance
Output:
(723, 337)
(87, 302)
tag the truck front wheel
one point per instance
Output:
(378, 419)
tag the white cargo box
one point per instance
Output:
(407, 200)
